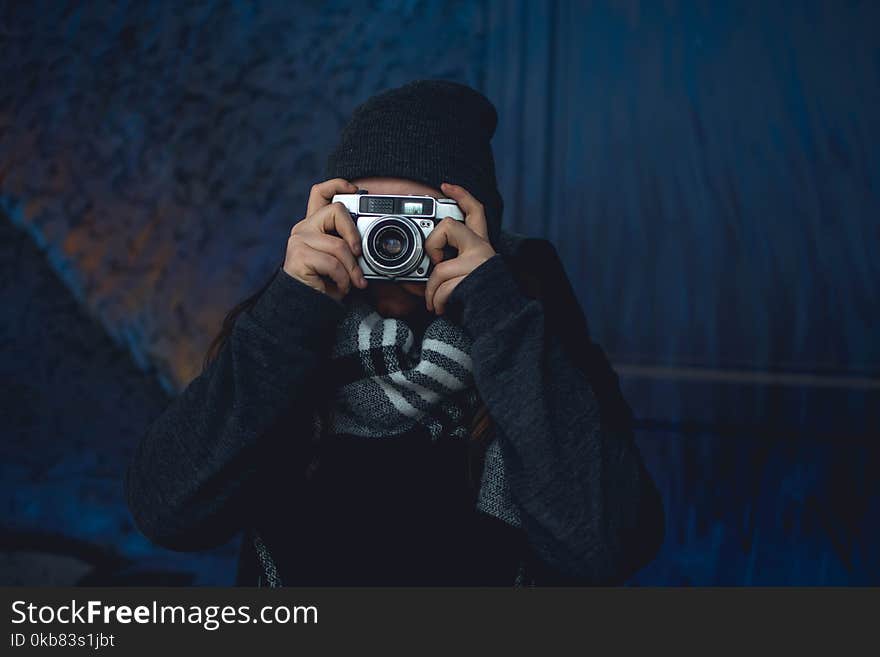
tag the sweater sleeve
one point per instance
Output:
(590, 511)
(196, 464)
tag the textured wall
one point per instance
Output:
(721, 161)
(160, 152)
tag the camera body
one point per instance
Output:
(393, 230)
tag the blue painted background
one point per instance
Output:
(708, 172)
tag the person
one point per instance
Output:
(465, 430)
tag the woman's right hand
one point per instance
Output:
(323, 248)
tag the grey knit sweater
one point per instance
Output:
(233, 452)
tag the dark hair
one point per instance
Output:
(229, 321)
(481, 423)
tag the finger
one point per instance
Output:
(322, 193)
(339, 248)
(442, 273)
(448, 231)
(325, 264)
(335, 218)
(475, 213)
(443, 293)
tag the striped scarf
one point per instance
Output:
(386, 383)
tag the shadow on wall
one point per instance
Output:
(74, 405)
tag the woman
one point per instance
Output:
(462, 431)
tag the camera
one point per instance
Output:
(393, 231)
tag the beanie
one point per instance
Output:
(430, 131)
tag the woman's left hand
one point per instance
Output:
(470, 238)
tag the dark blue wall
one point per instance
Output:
(708, 172)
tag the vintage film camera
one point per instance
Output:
(393, 230)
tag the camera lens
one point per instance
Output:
(393, 246)
(391, 242)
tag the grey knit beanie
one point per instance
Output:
(429, 131)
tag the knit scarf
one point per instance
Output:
(386, 382)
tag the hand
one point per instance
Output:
(471, 238)
(322, 249)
